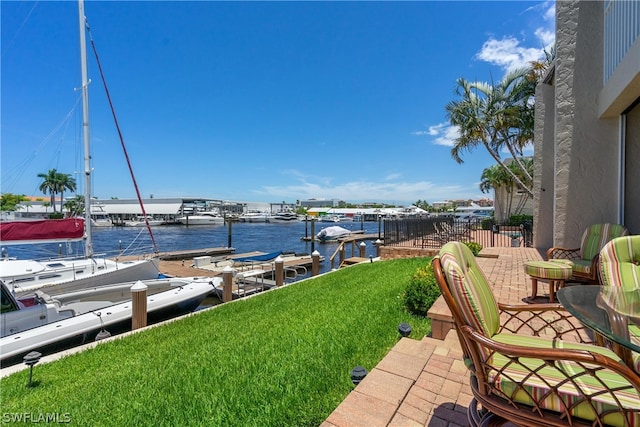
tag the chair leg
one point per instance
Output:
(534, 288)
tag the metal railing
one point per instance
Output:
(433, 232)
(621, 29)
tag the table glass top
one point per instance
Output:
(612, 311)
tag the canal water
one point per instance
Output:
(244, 237)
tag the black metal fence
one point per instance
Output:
(434, 231)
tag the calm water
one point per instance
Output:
(245, 237)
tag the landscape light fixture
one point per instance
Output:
(31, 359)
(404, 329)
(357, 374)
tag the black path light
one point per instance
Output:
(404, 329)
(357, 374)
(31, 359)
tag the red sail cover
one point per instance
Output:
(48, 230)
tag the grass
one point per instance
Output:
(280, 359)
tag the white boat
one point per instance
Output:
(202, 218)
(100, 218)
(65, 273)
(284, 216)
(332, 233)
(254, 216)
(336, 218)
(39, 320)
(141, 221)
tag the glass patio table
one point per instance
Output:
(610, 311)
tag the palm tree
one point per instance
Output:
(50, 185)
(496, 117)
(496, 177)
(65, 182)
(75, 206)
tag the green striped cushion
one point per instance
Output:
(579, 265)
(517, 382)
(469, 287)
(548, 270)
(596, 236)
(620, 262)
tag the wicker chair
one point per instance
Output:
(584, 260)
(620, 267)
(522, 371)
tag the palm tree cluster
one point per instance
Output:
(498, 117)
(54, 182)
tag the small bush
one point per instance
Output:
(487, 223)
(475, 247)
(422, 291)
(520, 219)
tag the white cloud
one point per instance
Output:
(363, 191)
(508, 53)
(443, 133)
(389, 189)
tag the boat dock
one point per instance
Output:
(355, 236)
(182, 255)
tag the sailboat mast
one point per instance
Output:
(88, 244)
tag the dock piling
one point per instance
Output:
(315, 264)
(363, 249)
(279, 271)
(138, 305)
(227, 284)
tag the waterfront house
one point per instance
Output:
(587, 136)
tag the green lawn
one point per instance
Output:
(282, 358)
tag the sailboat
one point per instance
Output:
(67, 274)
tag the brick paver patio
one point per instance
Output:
(424, 382)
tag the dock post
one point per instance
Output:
(279, 271)
(363, 249)
(227, 284)
(378, 243)
(229, 236)
(315, 263)
(313, 234)
(342, 254)
(138, 305)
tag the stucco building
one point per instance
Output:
(587, 140)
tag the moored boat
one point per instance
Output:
(202, 218)
(334, 232)
(285, 216)
(38, 320)
(254, 216)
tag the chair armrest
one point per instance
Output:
(562, 253)
(547, 320)
(520, 381)
(590, 361)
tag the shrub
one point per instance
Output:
(475, 247)
(422, 291)
(520, 219)
(487, 223)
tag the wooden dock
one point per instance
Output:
(181, 255)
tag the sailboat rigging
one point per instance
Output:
(115, 119)
(65, 274)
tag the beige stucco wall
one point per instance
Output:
(543, 164)
(586, 152)
(632, 172)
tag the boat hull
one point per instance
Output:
(183, 296)
(66, 275)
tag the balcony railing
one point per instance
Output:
(621, 29)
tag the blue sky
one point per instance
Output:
(257, 101)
